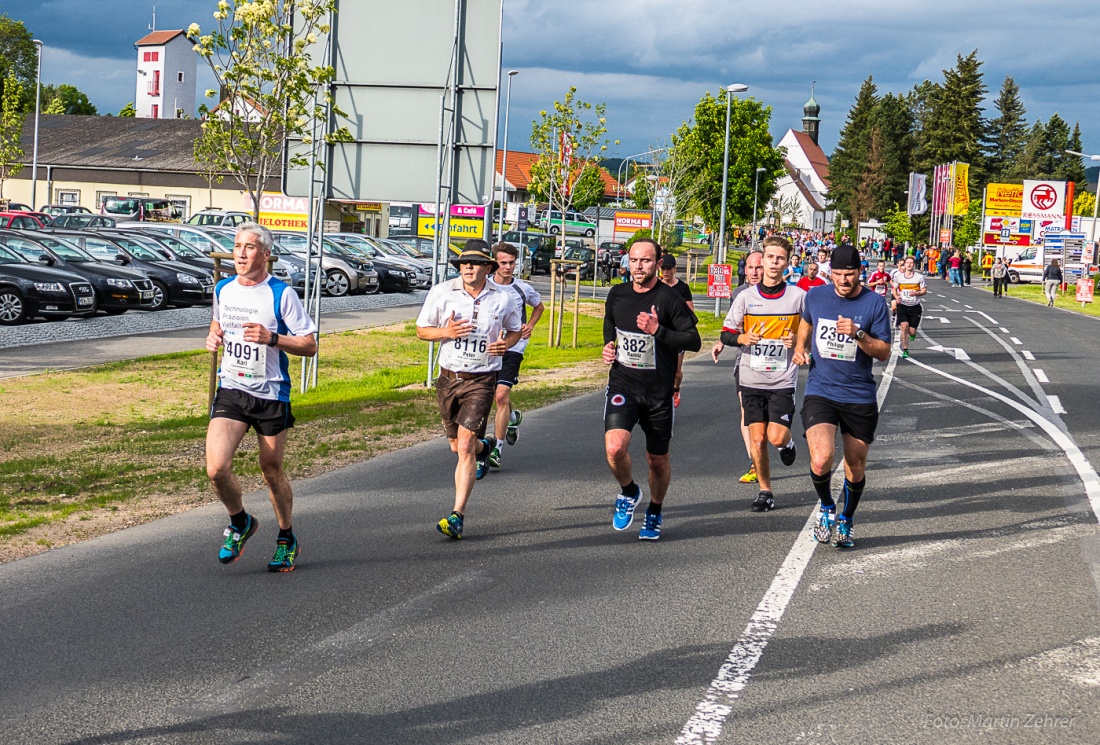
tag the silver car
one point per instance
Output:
(342, 274)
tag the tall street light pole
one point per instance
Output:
(755, 196)
(730, 89)
(34, 157)
(1096, 199)
(504, 164)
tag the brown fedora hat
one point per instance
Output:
(475, 251)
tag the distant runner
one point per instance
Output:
(257, 320)
(508, 419)
(847, 328)
(646, 324)
(668, 276)
(476, 322)
(909, 288)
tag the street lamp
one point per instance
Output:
(34, 157)
(733, 88)
(619, 178)
(504, 164)
(755, 196)
(1096, 195)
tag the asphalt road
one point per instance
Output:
(966, 612)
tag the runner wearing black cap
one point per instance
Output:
(475, 321)
(847, 328)
(668, 276)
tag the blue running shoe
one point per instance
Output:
(651, 531)
(451, 526)
(624, 511)
(483, 460)
(286, 553)
(513, 427)
(235, 540)
(823, 531)
(844, 537)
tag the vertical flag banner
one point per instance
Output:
(960, 199)
(941, 182)
(918, 194)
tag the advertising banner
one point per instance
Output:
(918, 194)
(941, 184)
(1004, 200)
(720, 280)
(1006, 231)
(467, 221)
(632, 221)
(280, 212)
(960, 199)
(1084, 290)
(1044, 199)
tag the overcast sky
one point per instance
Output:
(651, 60)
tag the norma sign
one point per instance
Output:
(280, 212)
(631, 222)
(720, 280)
(1084, 290)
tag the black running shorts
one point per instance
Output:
(509, 369)
(763, 406)
(267, 417)
(909, 314)
(655, 415)
(858, 420)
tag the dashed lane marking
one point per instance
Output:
(1015, 341)
(1056, 405)
(1028, 356)
(1040, 375)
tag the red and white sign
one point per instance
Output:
(631, 222)
(1044, 199)
(1084, 290)
(720, 280)
(945, 235)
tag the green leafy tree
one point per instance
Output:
(66, 99)
(128, 110)
(55, 106)
(569, 181)
(954, 128)
(259, 53)
(1071, 167)
(1007, 132)
(969, 227)
(641, 193)
(1084, 203)
(11, 128)
(898, 225)
(18, 56)
(701, 143)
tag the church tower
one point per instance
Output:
(810, 120)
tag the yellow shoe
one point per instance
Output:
(750, 477)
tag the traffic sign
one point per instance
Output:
(720, 280)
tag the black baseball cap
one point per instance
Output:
(845, 256)
(668, 261)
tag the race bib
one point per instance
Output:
(638, 351)
(833, 345)
(768, 355)
(472, 350)
(908, 296)
(243, 359)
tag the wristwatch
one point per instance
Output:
(860, 334)
(273, 340)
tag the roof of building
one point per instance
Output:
(815, 155)
(806, 193)
(113, 142)
(159, 38)
(519, 172)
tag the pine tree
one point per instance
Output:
(1026, 165)
(1008, 131)
(1052, 149)
(849, 161)
(955, 128)
(892, 119)
(1072, 169)
(868, 194)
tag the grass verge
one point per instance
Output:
(80, 445)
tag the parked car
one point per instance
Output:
(395, 273)
(80, 220)
(174, 249)
(587, 255)
(117, 289)
(424, 247)
(174, 283)
(207, 240)
(140, 208)
(21, 221)
(65, 209)
(576, 223)
(28, 290)
(340, 276)
(219, 218)
(530, 243)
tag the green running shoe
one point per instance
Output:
(286, 553)
(494, 457)
(513, 427)
(235, 540)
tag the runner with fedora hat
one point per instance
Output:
(846, 328)
(475, 321)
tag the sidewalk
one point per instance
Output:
(30, 360)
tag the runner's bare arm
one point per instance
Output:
(214, 337)
(801, 354)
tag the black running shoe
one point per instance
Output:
(763, 502)
(788, 454)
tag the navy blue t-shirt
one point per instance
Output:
(831, 376)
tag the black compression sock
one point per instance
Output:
(630, 490)
(824, 489)
(653, 509)
(287, 533)
(239, 521)
(852, 493)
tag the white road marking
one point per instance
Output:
(1004, 330)
(940, 295)
(1056, 405)
(716, 707)
(986, 317)
(954, 300)
(1015, 341)
(965, 430)
(955, 352)
(968, 306)
(1040, 375)
(1029, 357)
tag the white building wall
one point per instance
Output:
(176, 57)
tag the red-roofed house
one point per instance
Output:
(807, 178)
(165, 75)
(519, 176)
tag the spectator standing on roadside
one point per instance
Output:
(999, 271)
(741, 271)
(967, 265)
(1052, 278)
